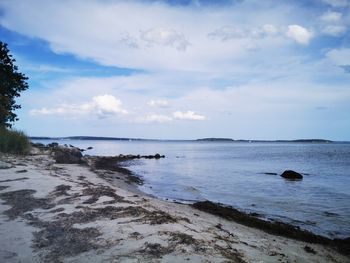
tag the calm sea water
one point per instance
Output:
(233, 173)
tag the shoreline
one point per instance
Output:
(231, 213)
(106, 217)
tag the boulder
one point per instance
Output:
(291, 175)
(52, 145)
(67, 155)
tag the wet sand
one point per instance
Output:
(72, 213)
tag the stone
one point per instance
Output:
(291, 175)
(67, 155)
(53, 145)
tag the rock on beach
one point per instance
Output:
(67, 155)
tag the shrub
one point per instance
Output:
(14, 142)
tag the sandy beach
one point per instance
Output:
(73, 213)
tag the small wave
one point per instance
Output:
(192, 189)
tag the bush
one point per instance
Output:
(14, 142)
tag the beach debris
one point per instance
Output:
(61, 190)
(22, 201)
(22, 171)
(277, 228)
(291, 175)
(15, 179)
(4, 165)
(309, 249)
(272, 227)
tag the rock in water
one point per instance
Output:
(291, 175)
(67, 155)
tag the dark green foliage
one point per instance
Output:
(14, 142)
(12, 83)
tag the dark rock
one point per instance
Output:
(67, 155)
(39, 145)
(157, 156)
(89, 148)
(52, 145)
(291, 175)
(270, 173)
(309, 250)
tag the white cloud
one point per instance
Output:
(158, 103)
(188, 115)
(102, 106)
(226, 33)
(340, 57)
(299, 34)
(337, 3)
(165, 37)
(107, 104)
(270, 29)
(331, 16)
(148, 35)
(154, 118)
(48, 69)
(334, 31)
(129, 41)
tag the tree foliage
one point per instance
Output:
(12, 83)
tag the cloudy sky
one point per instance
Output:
(182, 69)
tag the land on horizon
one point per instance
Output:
(195, 140)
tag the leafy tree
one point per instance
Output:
(12, 83)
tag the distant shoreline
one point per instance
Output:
(97, 138)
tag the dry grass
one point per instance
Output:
(14, 142)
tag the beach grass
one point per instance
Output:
(14, 142)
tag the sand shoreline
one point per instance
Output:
(69, 213)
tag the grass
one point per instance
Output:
(14, 142)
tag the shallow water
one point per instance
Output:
(233, 173)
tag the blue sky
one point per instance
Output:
(182, 69)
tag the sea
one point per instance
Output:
(246, 176)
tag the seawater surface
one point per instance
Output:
(234, 173)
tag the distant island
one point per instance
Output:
(213, 139)
(87, 138)
(232, 140)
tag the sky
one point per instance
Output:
(182, 69)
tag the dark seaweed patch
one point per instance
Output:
(22, 201)
(276, 228)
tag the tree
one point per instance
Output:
(12, 83)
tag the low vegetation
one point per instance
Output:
(14, 142)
